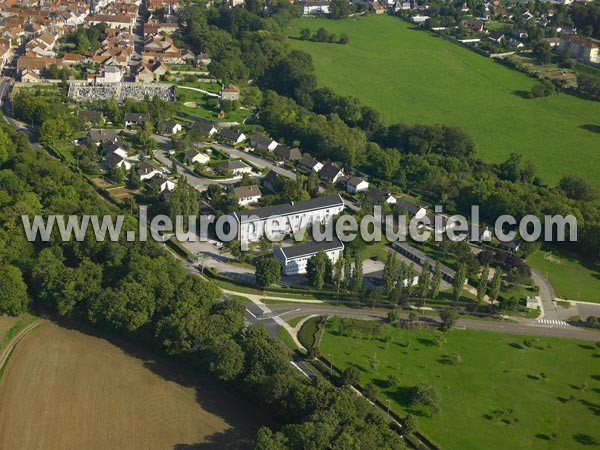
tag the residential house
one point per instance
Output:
(315, 7)
(475, 26)
(117, 160)
(114, 147)
(136, 119)
(356, 184)
(235, 167)
(168, 127)
(204, 126)
(147, 171)
(162, 182)
(285, 218)
(410, 209)
(99, 136)
(379, 197)
(247, 195)
(269, 180)
(91, 116)
(308, 163)
(194, 156)
(287, 154)
(580, 48)
(233, 136)
(511, 246)
(496, 36)
(230, 92)
(330, 173)
(293, 260)
(260, 142)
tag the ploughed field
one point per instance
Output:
(413, 76)
(63, 389)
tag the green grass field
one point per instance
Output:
(498, 374)
(413, 76)
(572, 278)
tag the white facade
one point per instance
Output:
(356, 185)
(282, 220)
(296, 264)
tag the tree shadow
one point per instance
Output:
(586, 347)
(585, 439)
(533, 377)
(593, 407)
(516, 345)
(591, 127)
(522, 94)
(426, 342)
(543, 437)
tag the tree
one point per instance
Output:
(357, 274)
(350, 376)
(496, 285)
(592, 322)
(321, 35)
(483, 282)
(339, 9)
(423, 395)
(267, 272)
(587, 31)
(459, 281)
(542, 89)
(577, 188)
(344, 39)
(227, 360)
(389, 272)
(13, 291)
(409, 424)
(425, 279)
(312, 183)
(371, 391)
(393, 316)
(436, 281)
(318, 270)
(543, 52)
(448, 316)
(304, 34)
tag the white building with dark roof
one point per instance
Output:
(293, 260)
(287, 218)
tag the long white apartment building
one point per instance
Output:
(287, 218)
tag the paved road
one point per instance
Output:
(526, 327)
(547, 295)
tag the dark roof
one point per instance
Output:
(261, 141)
(410, 207)
(291, 208)
(145, 168)
(232, 135)
(167, 124)
(111, 147)
(231, 165)
(203, 125)
(159, 180)
(308, 162)
(289, 154)
(113, 159)
(90, 115)
(137, 117)
(376, 195)
(269, 179)
(329, 172)
(99, 135)
(247, 191)
(311, 248)
(205, 208)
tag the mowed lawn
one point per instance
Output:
(413, 76)
(498, 374)
(572, 278)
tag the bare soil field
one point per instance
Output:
(63, 389)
